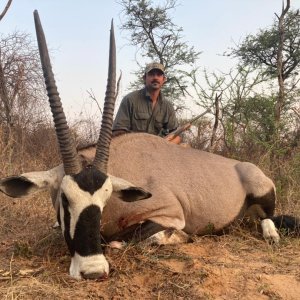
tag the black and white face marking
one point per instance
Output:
(83, 197)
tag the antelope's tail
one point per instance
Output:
(287, 224)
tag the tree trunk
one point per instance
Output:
(4, 99)
(281, 92)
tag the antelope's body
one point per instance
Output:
(191, 190)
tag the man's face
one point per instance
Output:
(154, 79)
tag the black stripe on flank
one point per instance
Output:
(87, 239)
(90, 179)
(137, 232)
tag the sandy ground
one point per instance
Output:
(34, 264)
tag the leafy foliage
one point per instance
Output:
(261, 50)
(157, 38)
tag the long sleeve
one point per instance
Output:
(123, 117)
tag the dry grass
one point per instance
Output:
(34, 264)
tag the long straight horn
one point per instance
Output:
(66, 144)
(102, 150)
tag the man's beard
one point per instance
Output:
(155, 85)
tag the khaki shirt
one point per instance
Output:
(135, 114)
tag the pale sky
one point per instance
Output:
(77, 33)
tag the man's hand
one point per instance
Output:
(173, 139)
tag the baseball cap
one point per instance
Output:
(154, 65)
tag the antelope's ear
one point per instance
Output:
(126, 191)
(29, 183)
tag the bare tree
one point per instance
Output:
(21, 83)
(280, 65)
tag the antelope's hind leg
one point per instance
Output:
(257, 213)
(261, 195)
(269, 231)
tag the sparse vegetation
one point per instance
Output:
(239, 265)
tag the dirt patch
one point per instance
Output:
(34, 264)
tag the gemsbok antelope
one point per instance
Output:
(138, 185)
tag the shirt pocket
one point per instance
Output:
(140, 121)
(159, 122)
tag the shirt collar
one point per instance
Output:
(147, 95)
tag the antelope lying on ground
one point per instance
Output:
(147, 189)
